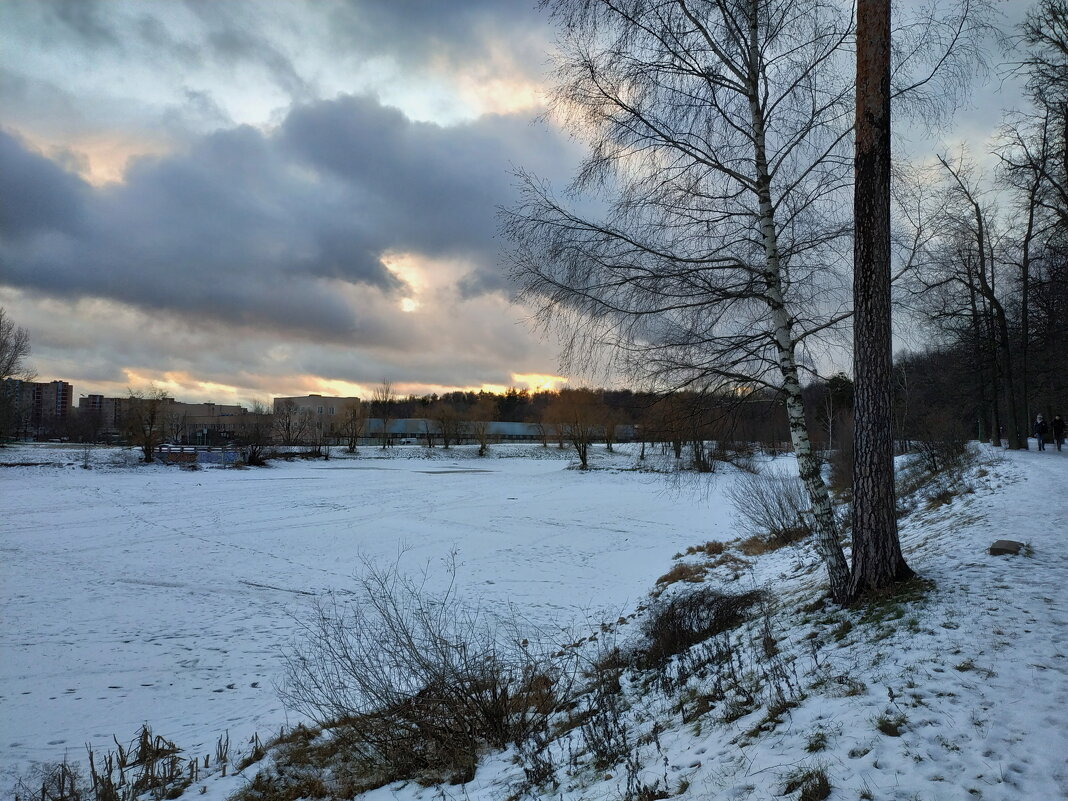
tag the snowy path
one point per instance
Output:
(978, 672)
(1000, 689)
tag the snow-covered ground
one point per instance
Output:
(144, 593)
(134, 594)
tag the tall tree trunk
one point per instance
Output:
(997, 319)
(995, 380)
(877, 558)
(808, 463)
(999, 325)
(1025, 302)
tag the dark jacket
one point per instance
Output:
(1041, 427)
(1058, 427)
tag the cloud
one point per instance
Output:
(102, 346)
(219, 190)
(256, 227)
(313, 234)
(429, 33)
(38, 196)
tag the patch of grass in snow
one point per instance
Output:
(811, 784)
(891, 725)
(816, 741)
(774, 717)
(684, 571)
(710, 548)
(842, 630)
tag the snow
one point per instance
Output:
(137, 594)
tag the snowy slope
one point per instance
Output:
(135, 595)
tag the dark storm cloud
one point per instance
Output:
(245, 227)
(436, 188)
(38, 196)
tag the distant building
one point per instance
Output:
(180, 423)
(324, 406)
(306, 417)
(40, 408)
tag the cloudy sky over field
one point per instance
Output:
(240, 199)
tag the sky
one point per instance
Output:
(245, 199)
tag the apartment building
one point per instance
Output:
(180, 423)
(38, 408)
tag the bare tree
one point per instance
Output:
(291, 424)
(480, 419)
(146, 416)
(544, 428)
(1033, 148)
(719, 138)
(175, 426)
(580, 415)
(383, 403)
(14, 351)
(968, 222)
(254, 433)
(448, 421)
(353, 422)
(722, 131)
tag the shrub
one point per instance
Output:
(812, 783)
(942, 441)
(710, 548)
(684, 620)
(416, 684)
(58, 781)
(684, 571)
(771, 507)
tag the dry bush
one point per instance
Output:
(416, 684)
(711, 548)
(757, 545)
(771, 507)
(58, 781)
(676, 624)
(149, 764)
(942, 442)
(684, 571)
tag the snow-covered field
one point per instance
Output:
(134, 594)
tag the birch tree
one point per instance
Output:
(719, 138)
(706, 240)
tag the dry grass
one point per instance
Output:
(684, 571)
(710, 548)
(812, 783)
(685, 620)
(761, 544)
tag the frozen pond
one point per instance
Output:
(160, 595)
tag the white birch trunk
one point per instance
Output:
(809, 466)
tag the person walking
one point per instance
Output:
(1041, 427)
(1058, 430)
